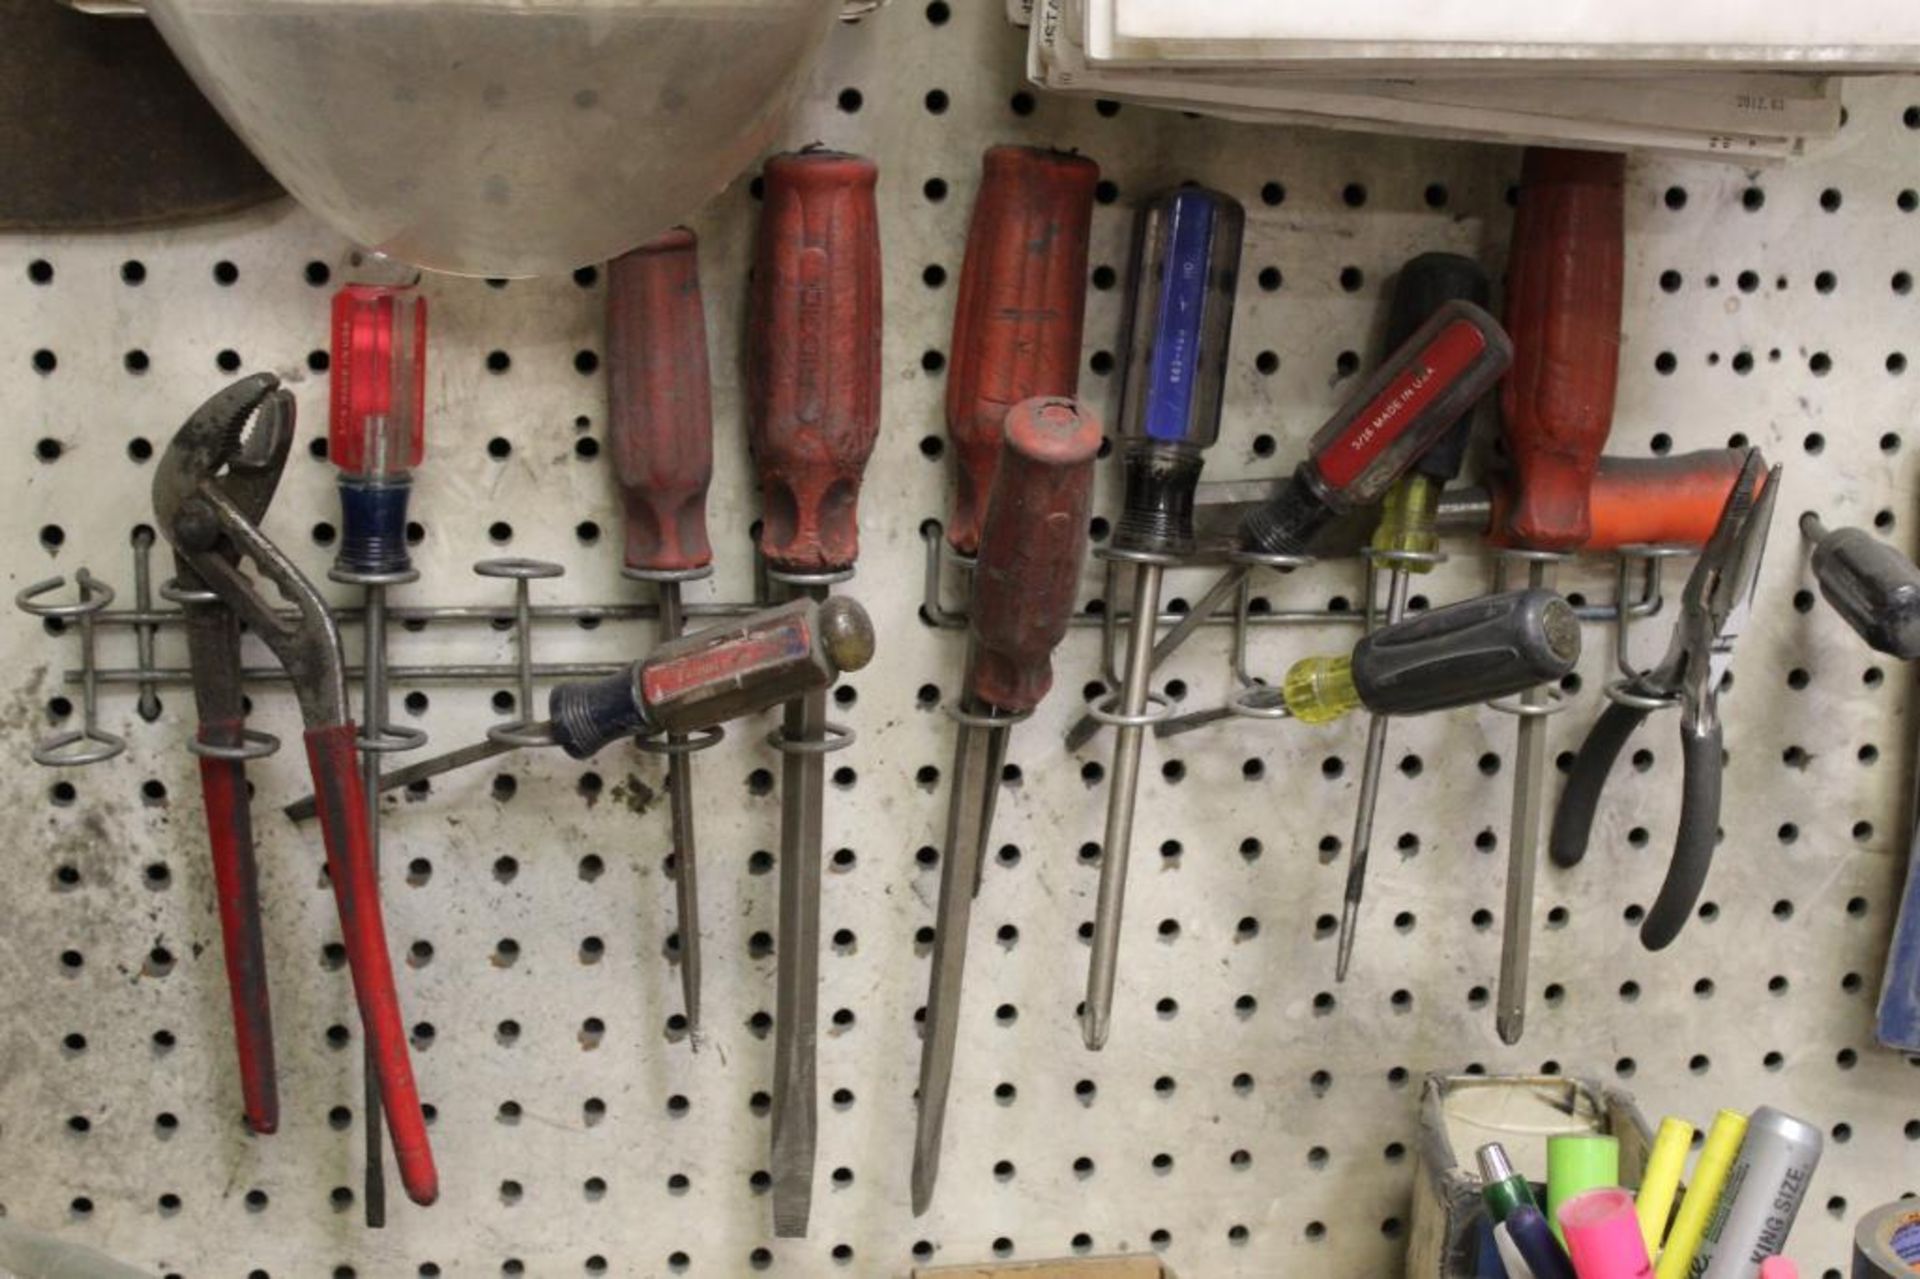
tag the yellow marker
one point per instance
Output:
(1653, 1205)
(1709, 1177)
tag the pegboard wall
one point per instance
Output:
(1249, 1117)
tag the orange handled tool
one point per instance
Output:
(1643, 501)
(1021, 307)
(1563, 313)
(814, 399)
(660, 414)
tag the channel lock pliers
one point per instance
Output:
(209, 495)
(1717, 601)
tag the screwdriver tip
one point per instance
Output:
(1094, 1031)
(1349, 926)
(1510, 1027)
(923, 1181)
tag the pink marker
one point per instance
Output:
(1603, 1235)
(1778, 1268)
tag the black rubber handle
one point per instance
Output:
(588, 714)
(1468, 652)
(1573, 820)
(1693, 846)
(1424, 285)
(1874, 587)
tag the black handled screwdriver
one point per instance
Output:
(1873, 587)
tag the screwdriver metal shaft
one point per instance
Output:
(813, 371)
(686, 857)
(1397, 583)
(797, 982)
(1523, 848)
(975, 777)
(1124, 778)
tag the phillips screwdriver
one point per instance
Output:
(814, 397)
(1406, 536)
(660, 428)
(1031, 551)
(1873, 587)
(1186, 267)
(1564, 273)
(376, 425)
(691, 684)
(1425, 386)
(1017, 323)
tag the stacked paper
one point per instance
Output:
(1753, 81)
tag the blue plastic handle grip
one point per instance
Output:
(1898, 1024)
(1186, 274)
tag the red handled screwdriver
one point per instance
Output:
(1563, 307)
(660, 427)
(376, 437)
(1016, 332)
(813, 373)
(1031, 551)
(1406, 538)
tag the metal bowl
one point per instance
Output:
(499, 137)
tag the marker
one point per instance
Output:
(1763, 1193)
(1660, 1180)
(1778, 1268)
(1603, 1235)
(1709, 1176)
(1578, 1162)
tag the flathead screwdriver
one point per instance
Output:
(1032, 548)
(813, 383)
(1187, 264)
(660, 428)
(1406, 537)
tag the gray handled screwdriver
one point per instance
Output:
(1473, 651)
(1873, 587)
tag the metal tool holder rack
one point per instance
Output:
(1249, 1117)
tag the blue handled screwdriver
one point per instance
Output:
(1186, 266)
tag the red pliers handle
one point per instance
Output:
(236, 881)
(209, 494)
(356, 891)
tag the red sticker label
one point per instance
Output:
(1400, 406)
(728, 663)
